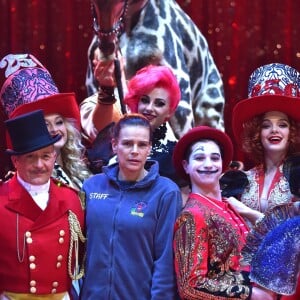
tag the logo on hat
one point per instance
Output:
(274, 79)
(27, 81)
(29, 86)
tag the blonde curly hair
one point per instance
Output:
(73, 152)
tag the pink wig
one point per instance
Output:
(149, 78)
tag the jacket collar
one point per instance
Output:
(151, 166)
(20, 202)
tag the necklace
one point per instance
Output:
(20, 257)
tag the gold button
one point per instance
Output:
(61, 240)
(58, 265)
(29, 240)
(62, 233)
(55, 284)
(31, 258)
(32, 266)
(28, 234)
(32, 283)
(53, 291)
(59, 257)
(32, 290)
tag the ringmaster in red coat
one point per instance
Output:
(41, 219)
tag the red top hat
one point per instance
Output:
(196, 134)
(29, 86)
(272, 87)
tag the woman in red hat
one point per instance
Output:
(28, 87)
(209, 233)
(266, 125)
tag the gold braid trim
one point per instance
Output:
(75, 235)
(23, 296)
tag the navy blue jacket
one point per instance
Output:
(130, 233)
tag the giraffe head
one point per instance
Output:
(111, 19)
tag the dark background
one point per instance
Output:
(241, 34)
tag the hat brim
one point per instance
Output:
(196, 134)
(64, 104)
(45, 144)
(247, 109)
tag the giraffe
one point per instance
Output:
(160, 32)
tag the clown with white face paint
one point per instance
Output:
(209, 233)
(204, 165)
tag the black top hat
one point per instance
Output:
(29, 133)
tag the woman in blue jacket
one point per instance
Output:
(130, 215)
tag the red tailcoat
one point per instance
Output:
(35, 243)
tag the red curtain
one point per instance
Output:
(56, 32)
(242, 35)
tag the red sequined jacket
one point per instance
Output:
(208, 239)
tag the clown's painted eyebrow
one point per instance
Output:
(200, 148)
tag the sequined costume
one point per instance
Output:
(280, 248)
(277, 248)
(208, 239)
(279, 192)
